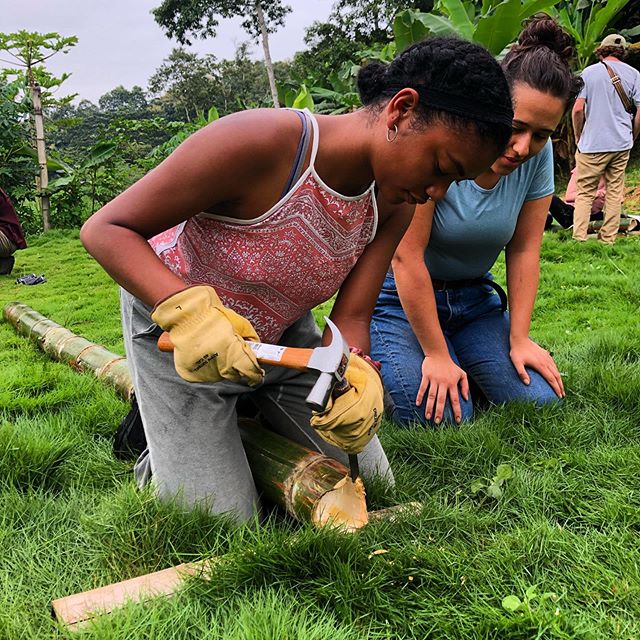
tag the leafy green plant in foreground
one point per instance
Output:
(494, 24)
(493, 488)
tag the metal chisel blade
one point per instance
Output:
(354, 468)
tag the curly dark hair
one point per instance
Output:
(619, 52)
(456, 67)
(541, 59)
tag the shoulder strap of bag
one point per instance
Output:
(617, 83)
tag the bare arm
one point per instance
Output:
(354, 305)
(440, 375)
(636, 124)
(523, 273)
(414, 282)
(578, 118)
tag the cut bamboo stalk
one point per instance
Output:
(625, 224)
(310, 486)
(61, 344)
(76, 610)
(307, 484)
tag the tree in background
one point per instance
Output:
(29, 50)
(18, 167)
(352, 26)
(242, 83)
(185, 81)
(131, 103)
(371, 21)
(199, 18)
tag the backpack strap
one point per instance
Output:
(617, 84)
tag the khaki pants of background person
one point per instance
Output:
(7, 248)
(589, 168)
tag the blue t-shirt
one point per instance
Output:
(472, 225)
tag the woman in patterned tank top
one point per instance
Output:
(207, 247)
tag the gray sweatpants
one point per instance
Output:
(194, 451)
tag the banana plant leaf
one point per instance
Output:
(498, 29)
(459, 17)
(304, 100)
(410, 27)
(99, 153)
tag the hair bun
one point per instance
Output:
(371, 81)
(544, 31)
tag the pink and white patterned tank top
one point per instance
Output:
(276, 267)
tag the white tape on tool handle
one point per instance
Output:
(270, 352)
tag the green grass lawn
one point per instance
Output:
(562, 538)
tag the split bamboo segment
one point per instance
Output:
(308, 485)
(64, 345)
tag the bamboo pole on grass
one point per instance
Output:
(308, 485)
(65, 346)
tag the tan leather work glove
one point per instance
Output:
(208, 338)
(352, 419)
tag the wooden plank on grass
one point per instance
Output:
(76, 610)
(79, 608)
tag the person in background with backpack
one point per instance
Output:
(605, 122)
(11, 235)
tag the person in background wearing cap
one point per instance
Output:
(11, 236)
(605, 131)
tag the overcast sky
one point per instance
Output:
(119, 42)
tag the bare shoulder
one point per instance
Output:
(229, 161)
(255, 137)
(232, 162)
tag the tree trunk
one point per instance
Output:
(43, 179)
(310, 486)
(267, 54)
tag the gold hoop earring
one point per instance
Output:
(392, 134)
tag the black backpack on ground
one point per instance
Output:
(562, 212)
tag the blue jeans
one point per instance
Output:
(477, 334)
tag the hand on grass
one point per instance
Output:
(440, 378)
(526, 353)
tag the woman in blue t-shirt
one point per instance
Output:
(440, 320)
